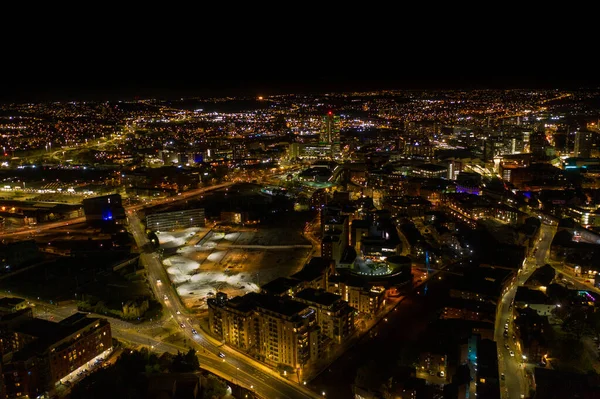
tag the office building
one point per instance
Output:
(104, 209)
(584, 141)
(330, 133)
(169, 221)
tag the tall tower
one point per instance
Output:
(583, 144)
(330, 133)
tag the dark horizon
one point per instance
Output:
(127, 85)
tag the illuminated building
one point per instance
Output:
(168, 221)
(104, 209)
(359, 295)
(53, 351)
(330, 133)
(334, 316)
(276, 330)
(584, 141)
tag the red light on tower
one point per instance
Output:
(329, 113)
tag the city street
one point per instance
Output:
(235, 366)
(515, 383)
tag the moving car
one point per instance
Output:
(221, 355)
(512, 353)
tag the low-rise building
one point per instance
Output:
(465, 309)
(53, 351)
(11, 305)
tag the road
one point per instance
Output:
(236, 366)
(515, 384)
(24, 231)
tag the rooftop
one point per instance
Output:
(319, 296)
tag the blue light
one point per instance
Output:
(107, 215)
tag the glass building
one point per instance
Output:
(168, 221)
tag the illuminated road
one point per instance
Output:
(235, 366)
(515, 384)
(24, 231)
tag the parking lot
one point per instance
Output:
(202, 261)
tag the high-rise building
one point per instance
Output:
(583, 144)
(330, 133)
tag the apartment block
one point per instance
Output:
(334, 316)
(274, 329)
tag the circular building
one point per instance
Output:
(397, 263)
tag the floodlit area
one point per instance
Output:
(202, 261)
(368, 267)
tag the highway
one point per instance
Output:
(235, 366)
(515, 384)
(24, 231)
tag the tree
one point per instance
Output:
(185, 363)
(576, 323)
(594, 322)
(214, 388)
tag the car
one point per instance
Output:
(158, 281)
(506, 326)
(182, 325)
(178, 312)
(502, 376)
(165, 297)
(507, 347)
(512, 353)
(221, 355)
(194, 331)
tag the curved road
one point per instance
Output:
(237, 367)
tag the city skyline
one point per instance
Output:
(351, 245)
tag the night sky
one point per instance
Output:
(109, 69)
